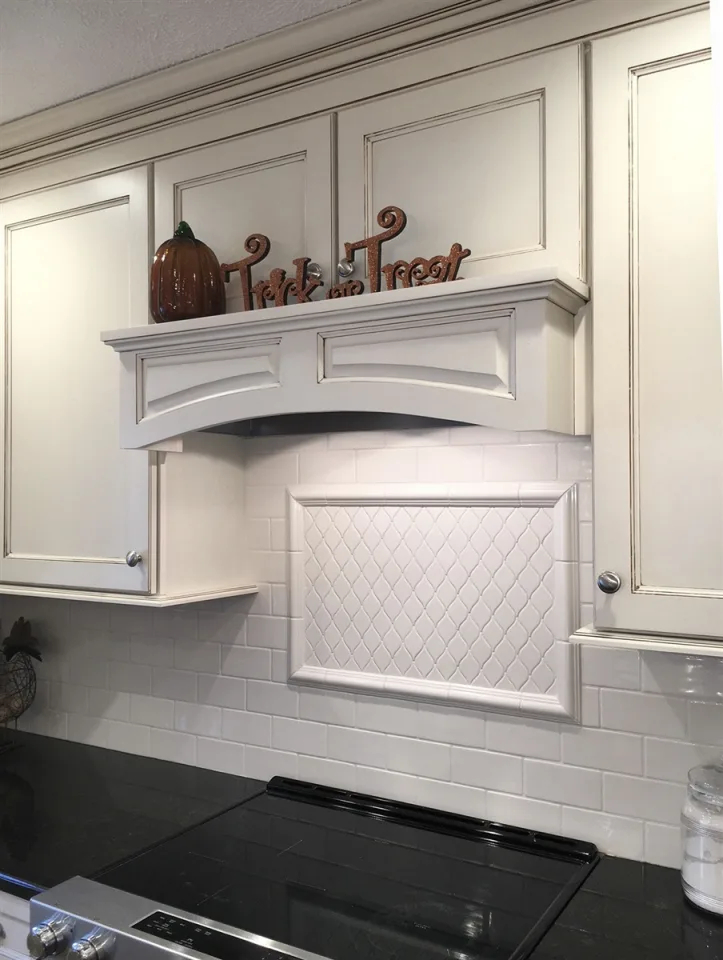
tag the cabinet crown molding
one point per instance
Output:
(496, 351)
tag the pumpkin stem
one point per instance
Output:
(183, 230)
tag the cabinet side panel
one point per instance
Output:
(202, 533)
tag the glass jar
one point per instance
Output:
(702, 828)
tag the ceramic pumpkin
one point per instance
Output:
(186, 279)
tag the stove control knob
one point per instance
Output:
(49, 939)
(97, 946)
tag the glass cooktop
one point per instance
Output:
(351, 877)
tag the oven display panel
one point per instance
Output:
(213, 943)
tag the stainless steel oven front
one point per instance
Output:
(85, 920)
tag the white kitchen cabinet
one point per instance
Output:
(658, 390)
(492, 160)
(15, 923)
(276, 182)
(73, 503)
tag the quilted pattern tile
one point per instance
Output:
(454, 594)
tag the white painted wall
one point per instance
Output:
(206, 684)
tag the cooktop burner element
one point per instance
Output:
(349, 877)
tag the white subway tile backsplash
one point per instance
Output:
(172, 745)
(563, 784)
(603, 750)
(524, 811)
(618, 836)
(528, 738)
(152, 711)
(90, 730)
(279, 666)
(266, 502)
(129, 677)
(357, 746)
(222, 691)
(329, 466)
(258, 533)
(267, 632)
(198, 718)
(494, 771)
(455, 464)
(129, 737)
(455, 797)
(298, 736)
(151, 650)
(69, 697)
(276, 698)
(264, 764)
(574, 461)
(279, 600)
(392, 465)
(609, 667)
(483, 436)
(671, 759)
(697, 677)
(109, 704)
(590, 707)
(171, 683)
(197, 655)
(520, 462)
(644, 799)
(447, 724)
(174, 684)
(250, 662)
(326, 707)
(220, 755)
(662, 844)
(419, 757)
(245, 727)
(332, 773)
(387, 716)
(705, 722)
(643, 713)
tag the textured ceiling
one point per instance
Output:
(56, 50)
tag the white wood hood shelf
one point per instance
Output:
(493, 351)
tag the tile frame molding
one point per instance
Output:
(561, 496)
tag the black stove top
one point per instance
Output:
(351, 877)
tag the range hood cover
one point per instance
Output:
(496, 351)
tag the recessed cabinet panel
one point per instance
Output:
(277, 183)
(475, 354)
(176, 381)
(677, 385)
(658, 404)
(491, 160)
(75, 503)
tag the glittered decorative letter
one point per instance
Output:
(258, 246)
(394, 219)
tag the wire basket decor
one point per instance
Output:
(17, 673)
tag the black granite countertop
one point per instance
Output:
(632, 911)
(68, 808)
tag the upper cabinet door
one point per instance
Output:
(276, 182)
(658, 392)
(492, 160)
(74, 503)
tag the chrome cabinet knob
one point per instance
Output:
(133, 558)
(345, 268)
(609, 582)
(98, 946)
(49, 939)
